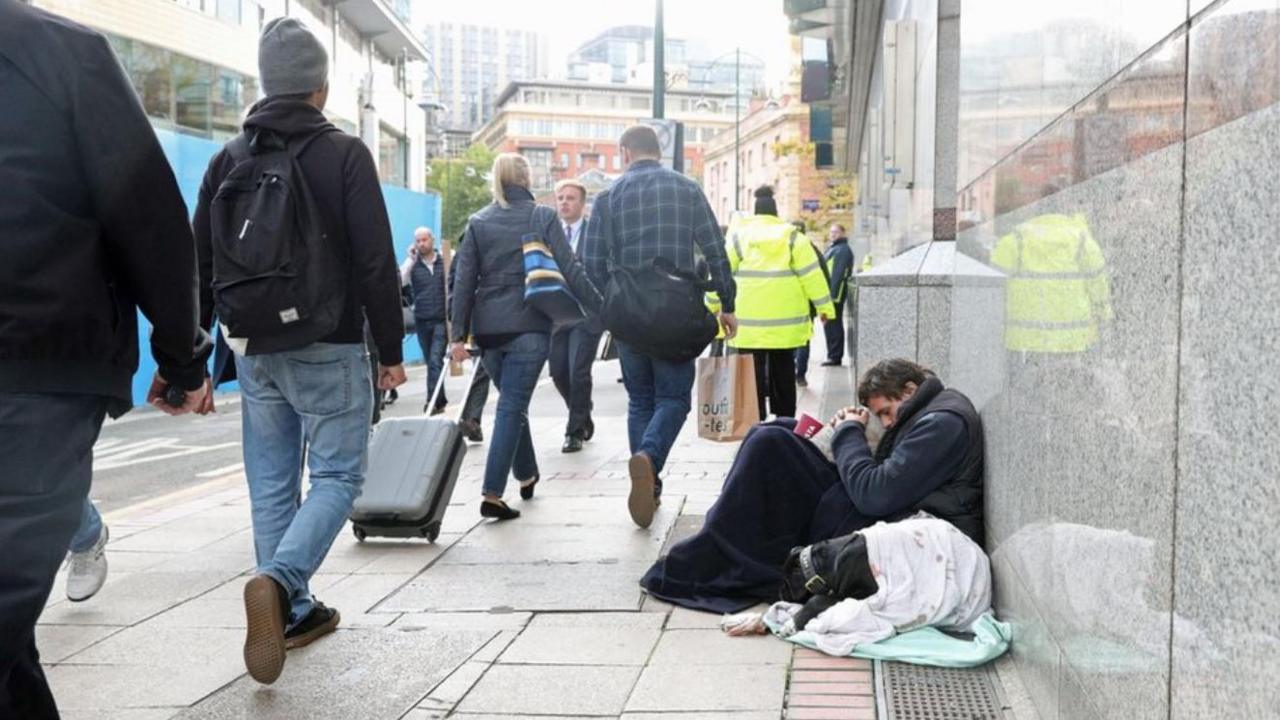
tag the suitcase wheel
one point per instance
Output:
(359, 532)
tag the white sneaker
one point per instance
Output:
(88, 570)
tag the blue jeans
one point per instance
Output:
(658, 402)
(319, 395)
(802, 361)
(90, 528)
(432, 338)
(515, 368)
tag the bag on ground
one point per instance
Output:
(727, 406)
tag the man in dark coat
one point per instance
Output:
(92, 228)
(782, 492)
(839, 259)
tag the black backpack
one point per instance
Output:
(275, 274)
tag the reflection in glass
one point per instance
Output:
(1058, 293)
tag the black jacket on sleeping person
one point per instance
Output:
(931, 460)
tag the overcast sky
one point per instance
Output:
(758, 26)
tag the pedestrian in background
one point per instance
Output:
(93, 228)
(424, 272)
(839, 260)
(303, 370)
(573, 346)
(478, 392)
(514, 337)
(652, 212)
(778, 276)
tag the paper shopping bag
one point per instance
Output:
(727, 406)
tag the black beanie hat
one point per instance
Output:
(764, 201)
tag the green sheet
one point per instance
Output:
(929, 646)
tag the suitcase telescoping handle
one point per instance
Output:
(444, 372)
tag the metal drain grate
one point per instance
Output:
(913, 692)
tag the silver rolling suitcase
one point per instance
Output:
(413, 466)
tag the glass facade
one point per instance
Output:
(183, 93)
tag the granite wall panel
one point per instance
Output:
(1081, 432)
(1226, 632)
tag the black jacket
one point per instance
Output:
(344, 182)
(931, 460)
(840, 261)
(428, 290)
(92, 226)
(489, 283)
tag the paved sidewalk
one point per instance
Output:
(537, 617)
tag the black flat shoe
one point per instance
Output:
(572, 444)
(497, 511)
(588, 430)
(526, 491)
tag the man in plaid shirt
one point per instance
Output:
(647, 213)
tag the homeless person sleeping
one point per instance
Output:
(782, 492)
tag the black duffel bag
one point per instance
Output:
(659, 311)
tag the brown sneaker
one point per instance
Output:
(266, 606)
(321, 621)
(642, 502)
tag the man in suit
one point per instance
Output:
(573, 347)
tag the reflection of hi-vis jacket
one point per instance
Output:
(1057, 293)
(778, 275)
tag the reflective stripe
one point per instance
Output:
(763, 273)
(783, 322)
(1025, 274)
(822, 300)
(1047, 325)
(808, 268)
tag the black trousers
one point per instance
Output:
(573, 352)
(775, 380)
(477, 395)
(46, 463)
(834, 330)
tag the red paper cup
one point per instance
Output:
(807, 426)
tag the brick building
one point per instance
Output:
(566, 128)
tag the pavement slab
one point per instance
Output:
(714, 647)
(547, 690)
(700, 688)
(536, 587)
(367, 674)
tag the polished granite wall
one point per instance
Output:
(1133, 484)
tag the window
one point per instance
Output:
(564, 160)
(391, 156)
(617, 161)
(764, 153)
(185, 93)
(229, 11)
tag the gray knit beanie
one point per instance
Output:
(291, 61)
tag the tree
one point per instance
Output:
(463, 186)
(836, 191)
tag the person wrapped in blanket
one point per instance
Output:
(883, 580)
(784, 491)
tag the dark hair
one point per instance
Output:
(765, 204)
(888, 378)
(641, 140)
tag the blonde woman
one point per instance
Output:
(514, 338)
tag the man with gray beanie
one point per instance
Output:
(304, 375)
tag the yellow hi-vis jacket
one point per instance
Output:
(778, 275)
(1057, 293)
